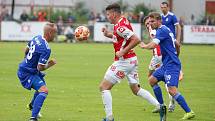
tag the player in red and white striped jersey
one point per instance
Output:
(125, 62)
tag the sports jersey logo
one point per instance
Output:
(121, 29)
(120, 74)
(167, 19)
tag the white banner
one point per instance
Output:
(13, 31)
(99, 37)
(199, 34)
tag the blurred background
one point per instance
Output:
(27, 17)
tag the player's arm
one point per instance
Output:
(107, 33)
(178, 33)
(177, 47)
(26, 50)
(43, 67)
(150, 45)
(134, 41)
(43, 63)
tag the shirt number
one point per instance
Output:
(31, 51)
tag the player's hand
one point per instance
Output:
(52, 62)
(120, 53)
(142, 45)
(105, 31)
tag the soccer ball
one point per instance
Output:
(82, 33)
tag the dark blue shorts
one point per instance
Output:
(29, 81)
(169, 74)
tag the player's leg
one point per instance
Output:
(171, 106)
(171, 77)
(153, 81)
(40, 86)
(30, 105)
(133, 80)
(105, 87)
(111, 77)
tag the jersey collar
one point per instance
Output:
(165, 15)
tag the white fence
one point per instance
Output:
(199, 34)
(13, 31)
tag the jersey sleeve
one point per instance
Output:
(124, 32)
(175, 20)
(44, 57)
(158, 37)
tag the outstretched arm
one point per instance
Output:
(150, 45)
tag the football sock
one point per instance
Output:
(181, 101)
(147, 95)
(171, 99)
(158, 93)
(35, 95)
(38, 102)
(107, 101)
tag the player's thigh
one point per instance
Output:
(171, 77)
(157, 75)
(132, 76)
(115, 73)
(37, 82)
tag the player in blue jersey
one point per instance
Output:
(37, 54)
(170, 70)
(170, 20)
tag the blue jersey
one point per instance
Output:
(39, 53)
(170, 20)
(165, 38)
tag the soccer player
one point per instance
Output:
(170, 70)
(36, 59)
(125, 63)
(170, 20)
(156, 60)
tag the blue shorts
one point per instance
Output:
(168, 74)
(29, 81)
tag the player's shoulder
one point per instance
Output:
(171, 13)
(41, 43)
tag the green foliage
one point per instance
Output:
(142, 7)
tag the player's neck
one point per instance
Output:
(118, 19)
(45, 38)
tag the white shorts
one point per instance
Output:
(155, 63)
(123, 68)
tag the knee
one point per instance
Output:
(44, 89)
(172, 92)
(135, 89)
(152, 81)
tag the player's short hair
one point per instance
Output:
(145, 18)
(165, 3)
(115, 7)
(155, 15)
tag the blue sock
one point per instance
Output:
(38, 103)
(158, 93)
(34, 97)
(181, 101)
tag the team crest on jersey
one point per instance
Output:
(167, 19)
(120, 74)
(121, 29)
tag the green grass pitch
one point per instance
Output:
(73, 84)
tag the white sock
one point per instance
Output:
(171, 99)
(107, 101)
(147, 95)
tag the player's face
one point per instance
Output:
(153, 23)
(147, 24)
(52, 34)
(110, 16)
(164, 8)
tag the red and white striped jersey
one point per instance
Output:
(121, 34)
(156, 50)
